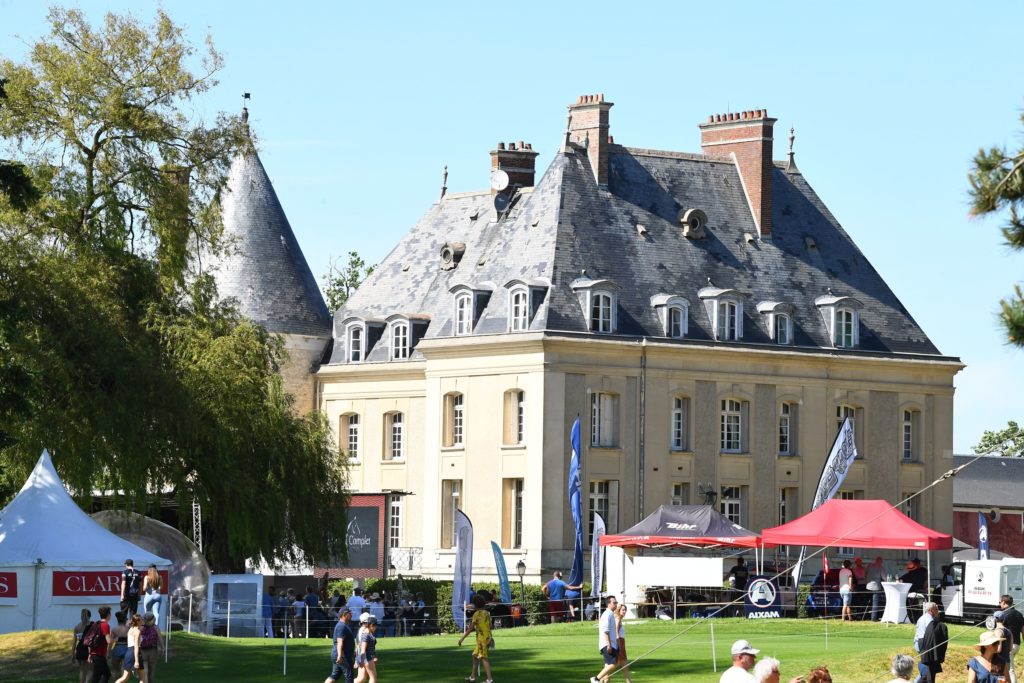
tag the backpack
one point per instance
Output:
(81, 651)
(149, 637)
(93, 637)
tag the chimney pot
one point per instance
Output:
(512, 146)
(501, 145)
(611, 140)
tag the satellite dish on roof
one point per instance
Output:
(499, 180)
(501, 202)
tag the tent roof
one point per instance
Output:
(43, 522)
(684, 526)
(858, 524)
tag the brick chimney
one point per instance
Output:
(588, 126)
(518, 160)
(748, 136)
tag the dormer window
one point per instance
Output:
(354, 343)
(599, 303)
(725, 310)
(469, 306)
(360, 337)
(399, 341)
(524, 298)
(842, 319)
(778, 319)
(519, 310)
(673, 313)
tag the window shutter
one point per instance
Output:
(507, 516)
(612, 523)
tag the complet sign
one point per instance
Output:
(8, 588)
(81, 586)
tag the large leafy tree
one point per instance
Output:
(342, 280)
(114, 355)
(997, 184)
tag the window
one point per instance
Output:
(601, 313)
(394, 443)
(676, 322)
(849, 495)
(604, 413)
(399, 341)
(395, 523)
(911, 506)
(911, 426)
(726, 328)
(454, 420)
(789, 504)
(673, 313)
(512, 513)
(856, 415)
(731, 503)
(451, 500)
(348, 434)
(680, 423)
(782, 329)
(355, 344)
(845, 320)
(519, 310)
(463, 313)
(680, 493)
(604, 500)
(514, 417)
(787, 428)
(732, 426)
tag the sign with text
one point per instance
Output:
(8, 588)
(365, 537)
(762, 599)
(82, 586)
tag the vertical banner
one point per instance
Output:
(463, 568)
(842, 455)
(597, 557)
(499, 564)
(576, 575)
(982, 536)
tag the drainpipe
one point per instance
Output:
(643, 420)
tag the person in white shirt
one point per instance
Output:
(357, 603)
(607, 641)
(846, 589)
(743, 657)
(376, 608)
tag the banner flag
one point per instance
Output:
(597, 557)
(463, 579)
(576, 575)
(982, 536)
(499, 563)
(842, 455)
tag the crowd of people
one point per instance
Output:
(129, 649)
(313, 613)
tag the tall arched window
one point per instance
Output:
(514, 414)
(399, 341)
(601, 312)
(394, 436)
(454, 420)
(680, 423)
(845, 328)
(348, 435)
(464, 313)
(519, 310)
(355, 344)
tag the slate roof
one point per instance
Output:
(567, 226)
(992, 481)
(263, 267)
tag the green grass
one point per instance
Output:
(662, 650)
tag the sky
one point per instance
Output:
(359, 106)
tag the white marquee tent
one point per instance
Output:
(55, 559)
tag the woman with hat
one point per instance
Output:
(984, 668)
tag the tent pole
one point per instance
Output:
(37, 565)
(714, 659)
(928, 582)
(675, 600)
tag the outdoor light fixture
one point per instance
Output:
(521, 570)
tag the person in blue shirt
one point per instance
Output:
(343, 649)
(268, 613)
(554, 591)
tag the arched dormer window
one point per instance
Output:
(399, 340)
(725, 311)
(360, 337)
(599, 301)
(524, 298)
(355, 337)
(469, 305)
(842, 319)
(404, 330)
(673, 313)
(778, 320)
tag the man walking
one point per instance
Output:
(130, 580)
(933, 648)
(929, 611)
(608, 641)
(97, 639)
(1014, 622)
(743, 657)
(343, 649)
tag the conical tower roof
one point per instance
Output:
(263, 267)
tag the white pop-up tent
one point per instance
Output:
(55, 559)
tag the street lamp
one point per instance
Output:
(521, 570)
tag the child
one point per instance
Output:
(481, 623)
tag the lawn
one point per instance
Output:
(663, 650)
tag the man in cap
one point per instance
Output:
(343, 650)
(743, 657)
(916, 576)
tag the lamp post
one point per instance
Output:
(521, 570)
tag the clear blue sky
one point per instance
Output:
(358, 106)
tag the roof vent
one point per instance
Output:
(451, 254)
(693, 221)
(641, 230)
(810, 243)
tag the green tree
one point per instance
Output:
(1005, 442)
(114, 355)
(340, 282)
(997, 184)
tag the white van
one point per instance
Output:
(971, 590)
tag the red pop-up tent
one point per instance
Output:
(858, 524)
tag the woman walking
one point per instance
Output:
(366, 659)
(79, 652)
(132, 660)
(620, 628)
(151, 586)
(148, 647)
(118, 635)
